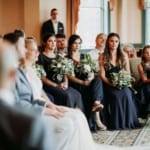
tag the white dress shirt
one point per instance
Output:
(55, 25)
(95, 55)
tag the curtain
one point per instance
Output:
(111, 4)
(72, 16)
(142, 4)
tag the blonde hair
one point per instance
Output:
(29, 40)
(101, 35)
(130, 46)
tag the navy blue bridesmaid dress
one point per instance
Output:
(119, 105)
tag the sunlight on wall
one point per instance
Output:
(126, 19)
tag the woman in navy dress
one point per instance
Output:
(88, 85)
(53, 83)
(119, 106)
(144, 83)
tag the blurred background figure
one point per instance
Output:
(130, 50)
(19, 130)
(144, 83)
(52, 25)
(133, 60)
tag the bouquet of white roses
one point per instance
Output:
(60, 67)
(121, 79)
(86, 66)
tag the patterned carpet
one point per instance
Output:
(125, 137)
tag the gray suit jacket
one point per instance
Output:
(19, 131)
(24, 95)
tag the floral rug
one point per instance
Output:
(124, 137)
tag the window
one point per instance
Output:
(93, 19)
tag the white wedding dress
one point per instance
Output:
(75, 135)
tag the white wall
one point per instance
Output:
(126, 19)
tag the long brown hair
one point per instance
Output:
(107, 55)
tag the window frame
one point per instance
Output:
(146, 13)
(105, 20)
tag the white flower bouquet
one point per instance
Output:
(86, 67)
(61, 67)
(121, 79)
(39, 70)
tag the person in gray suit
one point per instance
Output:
(18, 130)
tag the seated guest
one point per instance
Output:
(133, 60)
(56, 81)
(95, 53)
(119, 107)
(19, 129)
(52, 25)
(144, 83)
(99, 47)
(85, 82)
(33, 77)
(129, 50)
(61, 45)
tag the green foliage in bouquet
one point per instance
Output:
(121, 79)
(85, 67)
(39, 70)
(60, 67)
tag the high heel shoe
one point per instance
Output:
(97, 107)
(102, 127)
